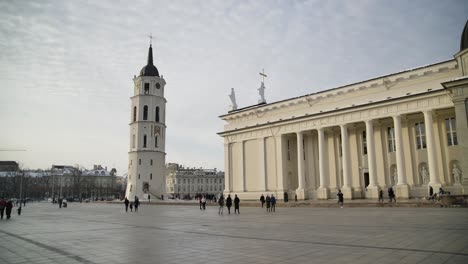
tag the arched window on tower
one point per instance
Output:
(156, 141)
(144, 141)
(157, 113)
(145, 112)
(134, 113)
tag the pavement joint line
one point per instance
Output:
(53, 249)
(281, 240)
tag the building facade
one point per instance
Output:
(146, 167)
(181, 181)
(406, 130)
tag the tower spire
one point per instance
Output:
(150, 56)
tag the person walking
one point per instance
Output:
(262, 200)
(381, 196)
(137, 203)
(126, 202)
(131, 206)
(8, 207)
(2, 207)
(60, 201)
(268, 202)
(149, 199)
(236, 204)
(229, 203)
(203, 200)
(391, 194)
(273, 203)
(221, 204)
(340, 198)
(200, 201)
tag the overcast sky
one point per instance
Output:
(66, 67)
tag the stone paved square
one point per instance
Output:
(104, 233)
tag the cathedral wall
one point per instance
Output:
(270, 146)
(237, 167)
(253, 177)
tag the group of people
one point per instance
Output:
(270, 202)
(433, 196)
(391, 195)
(221, 203)
(5, 207)
(132, 204)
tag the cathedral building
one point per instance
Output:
(146, 167)
(406, 130)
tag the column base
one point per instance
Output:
(301, 194)
(347, 192)
(372, 192)
(402, 191)
(322, 193)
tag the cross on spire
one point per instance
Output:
(150, 36)
(263, 75)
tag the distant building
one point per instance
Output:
(190, 181)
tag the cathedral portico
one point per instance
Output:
(407, 131)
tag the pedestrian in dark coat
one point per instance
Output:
(8, 207)
(2, 207)
(431, 193)
(221, 204)
(391, 194)
(381, 196)
(273, 203)
(340, 198)
(131, 206)
(262, 200)
(137, 203)
(236, 204)
(126, 202)
(268, 203)
(229, 203)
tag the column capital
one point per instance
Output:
(343, 126)
(301, 132)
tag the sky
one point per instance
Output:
(66, 67)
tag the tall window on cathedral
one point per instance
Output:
(145, 112)
(146, 88)
(391, 139)
(157, 113)
(156, 141)
(134, 113)
(420, 135)
(151, 162)
(151, 176)
(133, 142)
(364, 143)
(144, 141)
(451, 128)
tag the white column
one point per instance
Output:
(402, 186)
(346, 189)
(371, 153)
(227, 168)
(400, 159)
(300, 161)
(242, 167)
(279, 166)
(321, 147)
(262, 163)
(323, 188)
(372, 189)
(431, 154)
(345, 157)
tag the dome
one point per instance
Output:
(464, 38)
(149, 69)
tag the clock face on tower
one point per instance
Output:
(158, 85)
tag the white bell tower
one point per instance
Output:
(147, 156)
